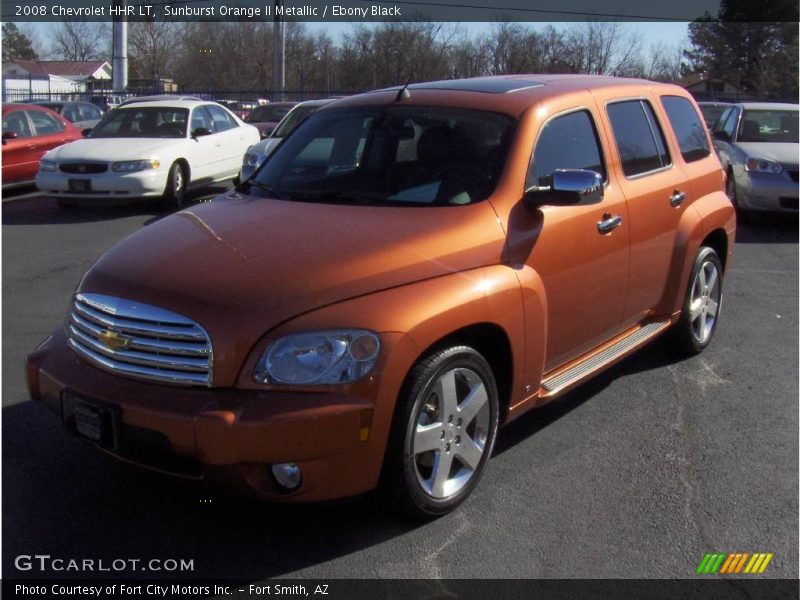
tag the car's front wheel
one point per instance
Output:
(443, 432)
(175, 194)
(701, 306)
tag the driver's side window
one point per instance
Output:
(566, 142)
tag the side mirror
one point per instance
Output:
(86, 132)
(200, 132)
(569, 187)
(10, 135)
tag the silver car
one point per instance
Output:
(758, 148)
(258, 153)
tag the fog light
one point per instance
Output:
(288, 475)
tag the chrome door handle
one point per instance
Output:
(609, 223)
(677, 198)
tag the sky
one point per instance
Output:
(668, 33)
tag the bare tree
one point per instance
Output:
(81, 41)
(601, 48)
(153, 48)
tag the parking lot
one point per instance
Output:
(638, 473)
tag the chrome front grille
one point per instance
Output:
(139, 340)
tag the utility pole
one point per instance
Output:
(278, 52)
(119, 52)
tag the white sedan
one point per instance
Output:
(149, 150)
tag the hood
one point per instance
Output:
(240, 267)
(108, 149)
(779, 152)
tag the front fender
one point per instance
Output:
(410, 319)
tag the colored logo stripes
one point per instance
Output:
(734, 562)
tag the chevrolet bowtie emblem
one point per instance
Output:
(113, 340)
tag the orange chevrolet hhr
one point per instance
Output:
(411, 268)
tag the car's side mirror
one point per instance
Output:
(568, 187)
(86, 132)
(10, 135)
(200, 132)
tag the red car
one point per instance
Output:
(267, 116)
(28, 132)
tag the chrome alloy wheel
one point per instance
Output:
(451, 432)
(704, 302)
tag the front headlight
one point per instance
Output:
(253, 159)
(762, 165)
(319, 357)
(48, 166)
(131, 166)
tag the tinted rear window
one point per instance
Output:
(687, 127)
(638, 135)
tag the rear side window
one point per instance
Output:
(222, 121)
(45, 124)
(639, 138)
(567, 142)
(687, 127)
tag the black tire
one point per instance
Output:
(177, 180)
(742, 216)
(402, 479)
(685, 337)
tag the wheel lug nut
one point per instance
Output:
(443, 435)
(458, 440)
(450, 419)
(447, 447)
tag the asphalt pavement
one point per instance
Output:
(638, 473)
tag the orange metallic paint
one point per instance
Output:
(251, 271)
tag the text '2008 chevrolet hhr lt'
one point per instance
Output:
(411, 268)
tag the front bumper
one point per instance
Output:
(229, 435)
(150, 183)
(766, 192)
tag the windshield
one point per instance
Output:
(138, 122)
(711, 112)
(292, 120)
(263, 114)
(780, 126)
(397, 155)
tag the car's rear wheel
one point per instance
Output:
(701, 307)
(175, 194)
(443, 432)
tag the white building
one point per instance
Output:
(26, 78)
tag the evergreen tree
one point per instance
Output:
(17, 45)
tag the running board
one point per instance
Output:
(565, 379)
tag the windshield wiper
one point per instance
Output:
(265, 187)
